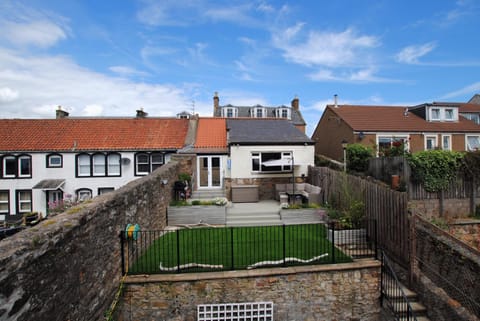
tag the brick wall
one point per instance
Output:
(452, 208)
(326, 292)
(68, 266)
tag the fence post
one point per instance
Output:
(122, 250)
(178, 250)
(284, 246)
(332, 226)
(231, 248)
(376, 238)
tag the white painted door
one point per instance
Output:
(209, 172)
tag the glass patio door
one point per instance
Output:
(209, 171)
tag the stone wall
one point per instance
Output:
(324, 292)
(68, 266)
(445, 267)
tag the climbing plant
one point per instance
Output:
(435, 168)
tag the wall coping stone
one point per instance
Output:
(184, 277)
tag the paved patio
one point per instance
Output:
(267, 212)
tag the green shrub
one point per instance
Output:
(358, 156)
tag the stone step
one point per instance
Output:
(418, 308)
(255, 223)
(421, 318)
(207, 194)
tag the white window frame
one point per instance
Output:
(227, 110)
(13, 160)
(98, 165)
(20, 160)
(54, 156)
(5, 201)
(448, 139)
(434, 138)
(432, 113)
(452, 110)
(83, 163)
(113, 165)
(467, 144)
(156, 164)
(258, 157)
(84, 194)
(137, 164)
(393, 137)
(21, 202)
(257, 110)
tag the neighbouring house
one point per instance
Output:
(422, 127)
(44, 161)
(291, 113)
(475, 99)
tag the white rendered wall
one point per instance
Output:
(241, 160)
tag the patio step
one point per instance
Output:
(242, 214)
(253, 219)
(208, 194)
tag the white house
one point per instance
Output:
(47, 160)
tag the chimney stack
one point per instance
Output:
(295, 103)
(59, 113)
(216, 103)
(141, 113)
(335, 100)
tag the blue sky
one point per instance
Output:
(109, 58)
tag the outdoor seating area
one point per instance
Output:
(287, 193)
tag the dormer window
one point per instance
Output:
(442, 113)
(229, 112)
(259, 112)
(282, 113)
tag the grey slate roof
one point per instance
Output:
(259, 131)
(475, 99)
(245, 111)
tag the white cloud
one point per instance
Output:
(467, 90)
(358, 75)
(8, 95)
(43, 34)
(324, 48)
(411, 54)
(24, 26)
(49, 81)
(127, 71)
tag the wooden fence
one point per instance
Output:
(388, 207)
(382, 168)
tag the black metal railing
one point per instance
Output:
(239, 248)
(393, 296)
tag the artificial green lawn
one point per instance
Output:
(250, 245)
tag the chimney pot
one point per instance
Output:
(335, 100)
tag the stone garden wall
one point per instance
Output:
(324, 292)
(68, 266)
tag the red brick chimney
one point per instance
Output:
(295, 103)
(216, 103)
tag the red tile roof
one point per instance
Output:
(211, 133)
(79, 134)
(392, 119)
